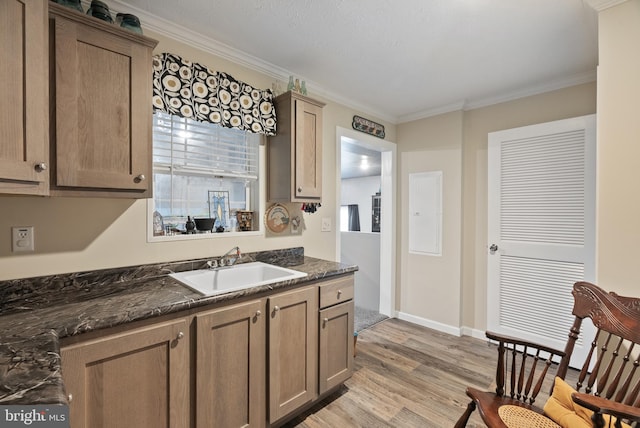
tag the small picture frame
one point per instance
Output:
(219, 208)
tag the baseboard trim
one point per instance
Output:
(475, 333)
(434, 325)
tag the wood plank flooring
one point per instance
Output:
(407, 376)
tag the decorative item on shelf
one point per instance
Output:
(158, 224)
(310, 207)
(190, 226)
(276, 88)
(72, 4)
(100, 10)
(296, 85)
(276, 218)
(219, 208)
(245, 220)
(204, 224)
(368, 127)
(129, 21)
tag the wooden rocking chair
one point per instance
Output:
(611, 381)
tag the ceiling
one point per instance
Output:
(393, 60)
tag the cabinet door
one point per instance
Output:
(230, 367)
(308, 151)
(134, 379)
(24, 105)
(103, 108)
(336, 345)
(293, 350)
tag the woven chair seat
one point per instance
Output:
(519, 417)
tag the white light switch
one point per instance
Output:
(22, 239)
(326, 224)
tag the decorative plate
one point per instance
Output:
(276, 218)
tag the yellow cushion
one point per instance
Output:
(561, 408)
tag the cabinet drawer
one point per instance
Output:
(336, 291)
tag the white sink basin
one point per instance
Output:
(246, 275)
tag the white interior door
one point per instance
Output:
(541, 227)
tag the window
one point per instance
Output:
(202, 170)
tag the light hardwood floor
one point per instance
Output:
(407, 376)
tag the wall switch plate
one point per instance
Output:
(326, 224)
(22, 239)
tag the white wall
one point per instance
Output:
(359, 191)
(363, 249)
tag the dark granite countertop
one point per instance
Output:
(38, 312)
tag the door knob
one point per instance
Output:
(493, 248)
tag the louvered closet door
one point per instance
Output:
(541, 227)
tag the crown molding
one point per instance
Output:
(553, 85)
(601, 5)
(576, 79)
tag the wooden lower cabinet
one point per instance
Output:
(293, 351)
(132, 379)
(230, 366)
(249, 364)
(336, 346)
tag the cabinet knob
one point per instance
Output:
(70, 398)
(299, 189)
(180, 335)
(258, 313)
(325, 321)
(140, 178)
(276, 308)
(339, 293)
(39, 167)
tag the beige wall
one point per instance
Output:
(618, 177)
(431, 287)
(76, 234)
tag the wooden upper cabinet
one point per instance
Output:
(101, 91)
(24, 146)
(294, 155)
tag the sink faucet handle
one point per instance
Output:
(212, 264)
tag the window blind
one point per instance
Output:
(186, 147)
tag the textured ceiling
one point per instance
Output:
(397, 60)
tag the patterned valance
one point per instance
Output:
(193, 91)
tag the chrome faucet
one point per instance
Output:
(226, 259)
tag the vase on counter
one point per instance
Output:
(190, 225)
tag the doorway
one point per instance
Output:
(386, 152)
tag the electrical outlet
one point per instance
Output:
(22, 239)
(326, 224)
